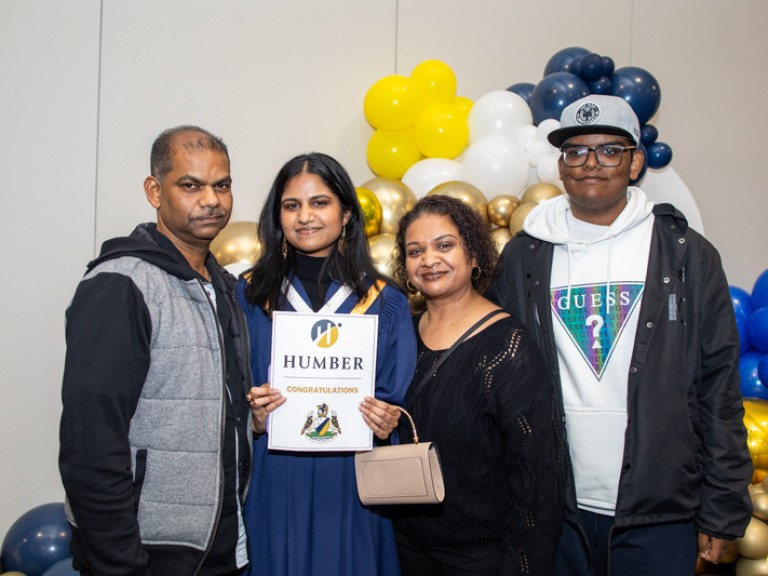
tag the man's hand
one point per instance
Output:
(712, 549)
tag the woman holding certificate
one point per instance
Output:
(303, 514)
(489, 407)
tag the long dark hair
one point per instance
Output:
(353, 268)
(472, 230)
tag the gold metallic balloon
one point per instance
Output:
(756, 423)
(381, 247)
(754, 543)
(500, 209)
(539, 192)
(372, 212)
(501, 236)
(760, 505)
(466, 192)
(417, 303)
(747, 567)
(238, 243)
(395, 198)
(518, 217)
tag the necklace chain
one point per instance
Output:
(477, 297)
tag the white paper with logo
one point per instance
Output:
(324, 364)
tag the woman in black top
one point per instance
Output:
(489, 408)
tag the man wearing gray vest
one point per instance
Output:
(155, 432)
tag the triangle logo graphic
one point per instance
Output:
(593, 325)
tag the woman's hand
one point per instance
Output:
(263, 401)
(381, 417)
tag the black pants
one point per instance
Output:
(656, 550)
(418, 559)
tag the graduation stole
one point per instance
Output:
(298, 303)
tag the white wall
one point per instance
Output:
(87, 84)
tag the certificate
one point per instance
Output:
(324, 365)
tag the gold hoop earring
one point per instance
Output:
(409, 286)
(479, 273)
(285, 248)
(341, 245)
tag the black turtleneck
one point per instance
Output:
(308, 270)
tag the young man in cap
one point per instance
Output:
(632, 311)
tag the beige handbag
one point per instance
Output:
(401, 474)
(407, 473)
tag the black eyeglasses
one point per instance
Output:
(607, 155)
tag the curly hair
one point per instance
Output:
(473, 232)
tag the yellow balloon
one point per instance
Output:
(382, 246)
(518, 216)
(747, 567)
(390, 154)
(500, 209)
(371, 208)
(754, 543)
(396, 199)
(435, 81)
(463, 105)
(539, 192)
(237, 243)
(756, 423)
(392, 103)
(466, 192)
(501, 236)
(441, 131)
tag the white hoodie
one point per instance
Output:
(594, 334)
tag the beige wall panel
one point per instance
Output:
(272, 78)
(709, 59)
(492, 44)
(49, 75)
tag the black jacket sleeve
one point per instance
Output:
(108, 334)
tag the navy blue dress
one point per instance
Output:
(302, 514)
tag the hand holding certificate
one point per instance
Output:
(324, 365)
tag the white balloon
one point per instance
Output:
(548, 171)
(496, 165)
(545, 127)
(525, 135)
(428, 173)
(665, 185)
(498, 112)
(537, 150)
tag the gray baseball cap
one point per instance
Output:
(596, 114)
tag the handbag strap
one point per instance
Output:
(447, 353)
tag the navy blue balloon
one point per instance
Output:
(659, 155)
(648, 134)
(751, 385)
(742, 302)
(744, 344)
(591, 67)
(63, 568)
(644, 169)
(757, 328)
(608, 66)
(523, 89)
(760, 291)
(601, 86)
(762, 368)
(553, 93)
(563, 61)
(37, 540)
(640, 89)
